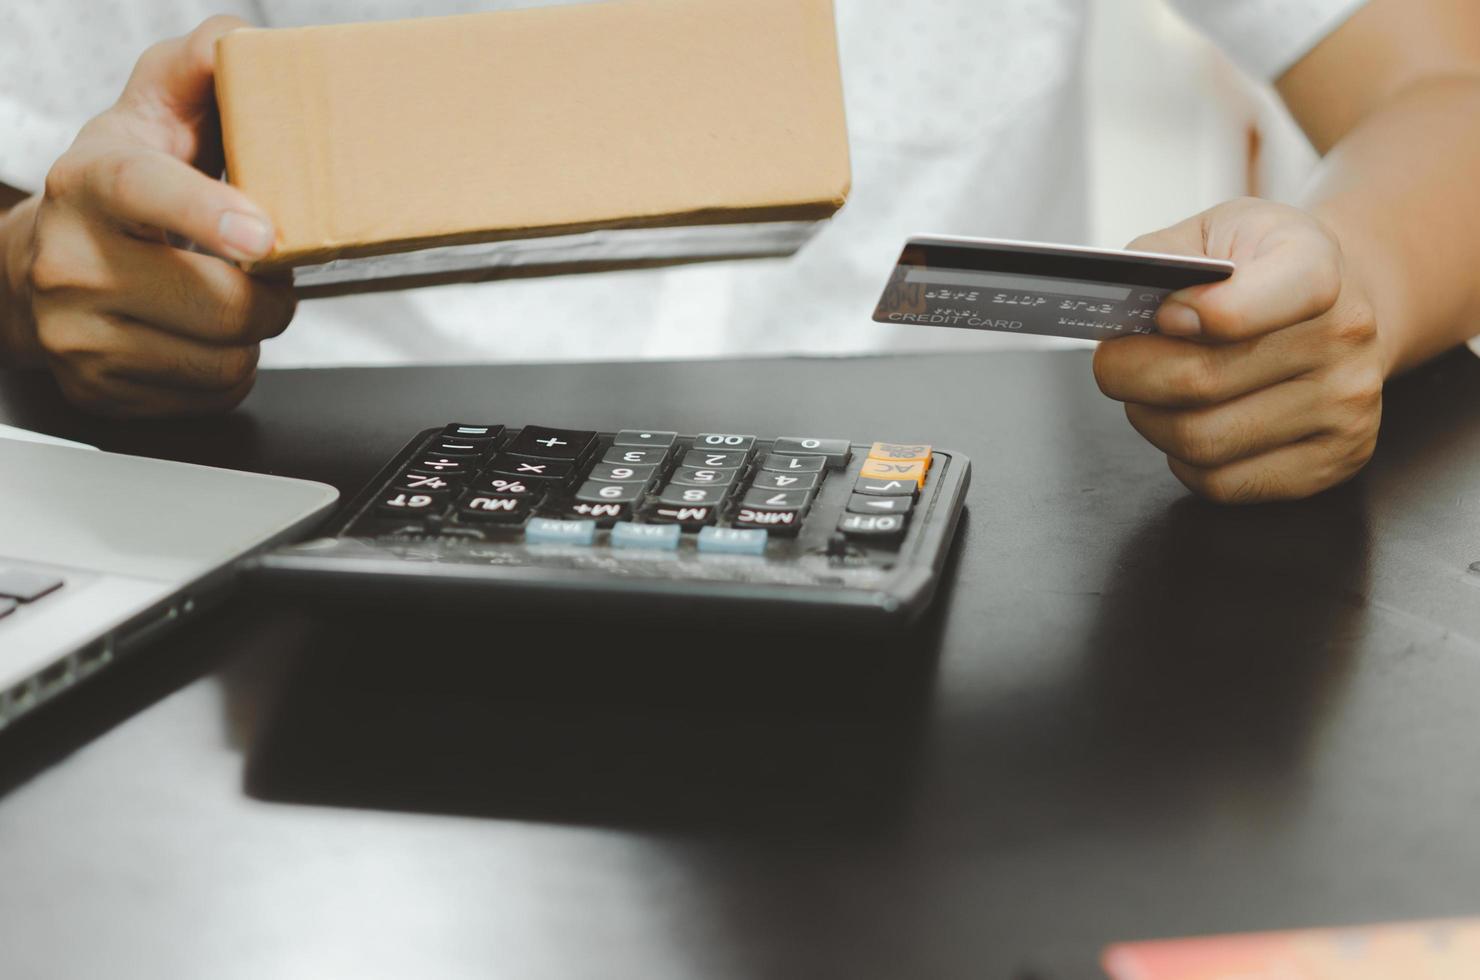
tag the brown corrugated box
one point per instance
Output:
(539, 140)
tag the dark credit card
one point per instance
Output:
(1025, 287)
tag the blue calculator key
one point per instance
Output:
(732, 541)
(547, 530)
(663, 537)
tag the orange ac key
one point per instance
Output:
(887, 469)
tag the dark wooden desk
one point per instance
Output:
(1136, 715)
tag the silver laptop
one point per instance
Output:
(99, 553)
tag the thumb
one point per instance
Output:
(173, 86)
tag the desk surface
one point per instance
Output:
(1136, 715)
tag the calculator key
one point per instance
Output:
(427, 482)
(503, 485)
(861, 503)
(530, 468)
(835, 451)
(883, 469)
(899, 452)
(682, 496)
(780, 499)
(732, 541)
(447, 446)
(487, 507)
(443, 465)
(660, 537)
(641, 474)
(404, 502)
(786, 481)
(547, 530)
(596, 492)
(768, 519)
(635, 457)
(726, 441)
(872, 525)
(468, 430)
(885, 488)
(643, 437)
(683, 515)
(603, 513)
(26, 585)
(777, 463)
(713, 460)
(536, 440)
(688, 476)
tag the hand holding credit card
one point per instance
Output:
(1259, 384)
(1023, 287)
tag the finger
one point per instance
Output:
(1293, 275)
(178, 74)
(1247, 426)
(141, 187)
(193, 295)
(124, 398)
(97, 347)
(1175, 373)
(1289, 473)
(1183, 238)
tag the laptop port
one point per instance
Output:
(93, 656)
(53, 679)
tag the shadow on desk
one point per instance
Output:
(676, 728)
(668, 723)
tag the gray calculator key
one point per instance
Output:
(596, 492)
(786, 481)
(681, 496)
(787, 499)
(635, 456)
(643, 437)
(885, 488)
(777, 463)
(835, 451)
(690, 476)
(641, 474)
(872, 525)
(725, 442)
(862, 503)
(714, 459)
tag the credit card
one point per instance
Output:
(1437, 950)
(1028, 287)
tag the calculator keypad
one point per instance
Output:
(648, 491)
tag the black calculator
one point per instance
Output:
(645, 521)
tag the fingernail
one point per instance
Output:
(245, 236)
(1179, 320)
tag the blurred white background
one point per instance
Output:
(1175, 127)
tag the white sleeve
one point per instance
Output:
(1265, 37)
(61, 64)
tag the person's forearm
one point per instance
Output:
(1401, 191)
(18, 346)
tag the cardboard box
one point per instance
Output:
(531, 141)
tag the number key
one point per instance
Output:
(712, 460)
(778, 463)
(623, 473)
(635, 457)
(681, 496)
(596, 492)
(835, 451)
(688, 476)
(726, 441)
(786, 481)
